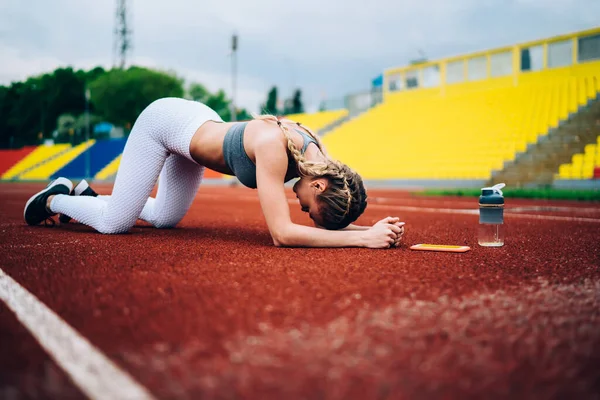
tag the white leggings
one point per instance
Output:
(158, 145)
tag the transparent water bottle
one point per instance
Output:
(491, 216)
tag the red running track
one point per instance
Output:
(212, 309)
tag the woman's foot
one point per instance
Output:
(82, 189)
(35, 209)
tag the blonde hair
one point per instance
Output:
(344, 199)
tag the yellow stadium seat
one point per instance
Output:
(37, 157)
(564, 171)
(474, 126)
(590, 149)
(47, 168)
(110, 169)
(319, 120)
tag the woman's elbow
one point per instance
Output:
(281, 238)
(280, 241)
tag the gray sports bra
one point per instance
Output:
(242, 166)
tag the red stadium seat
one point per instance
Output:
(10, 157)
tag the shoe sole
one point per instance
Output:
(57, 181)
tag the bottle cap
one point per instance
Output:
(492, 195)
(496, 189)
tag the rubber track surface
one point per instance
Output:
(211, 309)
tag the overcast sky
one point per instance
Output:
(326, 47)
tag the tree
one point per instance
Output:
(220, 104)
(270, 107)
(242, 115)
(297, 106)
(198, 92)
(32, 107)
(29, 110)
(217, 101)
(294, 105)
(120, 96)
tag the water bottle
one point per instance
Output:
(491, 216)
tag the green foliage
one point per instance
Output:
(294, 105)
(30, 110)
(270, 107)
(32, 107)
(217, 101)
(198, 92)
(243, 115)
(220, 104)
(297, 106)
(521, 193)
(121, 95)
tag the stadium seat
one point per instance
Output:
(49, 166)
(10, 157)
(464, 130)
(583, 164)
(37, 157)
(319, 120)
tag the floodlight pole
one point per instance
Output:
(87, 132)
(234, 44)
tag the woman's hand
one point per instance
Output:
(384, 234)
(400, 234)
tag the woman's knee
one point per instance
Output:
(113, 229)
(166, 223)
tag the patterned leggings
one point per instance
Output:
(157, 149)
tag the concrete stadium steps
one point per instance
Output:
(45, 170)
(11, 157)
(37, 157)
(100, 154)
(541, 163)
(585, 165)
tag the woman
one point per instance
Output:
(173, 140)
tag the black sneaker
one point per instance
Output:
(82, 189)
(35, 209)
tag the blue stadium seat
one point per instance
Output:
(101, 153)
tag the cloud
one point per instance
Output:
(333, 47)
(252, 93)
(17, 66)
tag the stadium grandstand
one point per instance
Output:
(501, 114)
(526, 114)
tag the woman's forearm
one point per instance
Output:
(295, 235)
(356, 228)
(349, 227)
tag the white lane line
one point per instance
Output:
(90, 370)
(508, 212)
(553, 218)
(425, 209)
(395, 201)
(476, 212)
